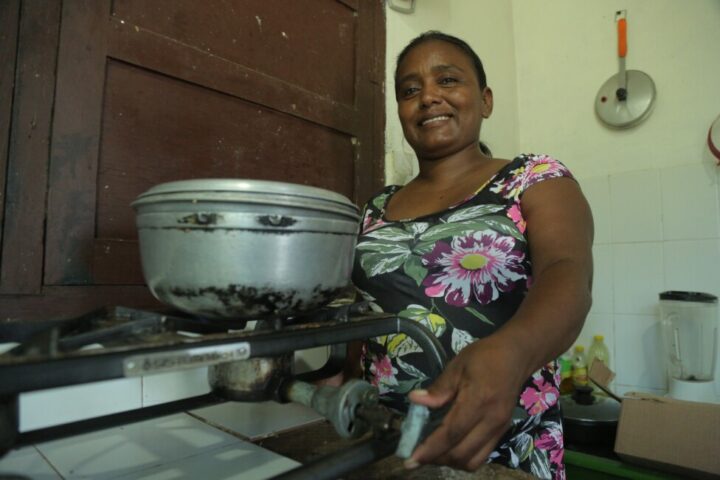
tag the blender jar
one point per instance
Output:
(689, 323)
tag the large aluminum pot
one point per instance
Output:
(242, 249)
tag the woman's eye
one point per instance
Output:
(408, 91)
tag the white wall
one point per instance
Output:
(653, 188)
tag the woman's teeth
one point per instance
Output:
(435, 119)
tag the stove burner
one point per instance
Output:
(120, 342)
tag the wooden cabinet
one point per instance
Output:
(101, 99)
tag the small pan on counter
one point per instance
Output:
(589, 419)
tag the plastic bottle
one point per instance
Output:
(579, 367)
(565, 362)
(598, 350)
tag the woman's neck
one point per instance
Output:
(451, 168)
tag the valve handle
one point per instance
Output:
(622, 37)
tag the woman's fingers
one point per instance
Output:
(479, 416)
(472, 452)
(460, 420)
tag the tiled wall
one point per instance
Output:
(655, 230)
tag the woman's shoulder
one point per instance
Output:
(378, 200)
(536, 167)
(526, 170)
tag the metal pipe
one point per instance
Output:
(335, 465)
(67, 370)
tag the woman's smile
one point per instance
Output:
(434, 121)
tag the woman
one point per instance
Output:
(494, 256)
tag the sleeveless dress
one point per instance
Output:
(462, 273)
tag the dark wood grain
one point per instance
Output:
(175, 59)
(69, 302)
(75, 142)
(295, 42)
(22, 253)
(116, 262)
(150, 137)
(9, 23)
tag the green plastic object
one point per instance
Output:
(581, 466)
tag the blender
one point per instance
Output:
(689, 324)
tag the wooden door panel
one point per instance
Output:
(158, 129)
(160, 54)
(308, 44)
(37, 29)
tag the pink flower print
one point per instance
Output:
(370, 223)
(551, 440)
(516, 216)
(537, 400)
(542, 167)
(383, 374)
(482, 264)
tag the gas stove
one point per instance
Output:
(244, 364)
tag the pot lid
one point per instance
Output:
(247, 186)
(246, 190)
(601, 409)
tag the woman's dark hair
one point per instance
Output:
(434, 35)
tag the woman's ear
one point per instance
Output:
(486, 102)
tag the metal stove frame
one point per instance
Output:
(140, 342)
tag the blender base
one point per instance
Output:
(693, 390)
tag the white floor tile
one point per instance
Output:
(56, 406)
(310, 359)
(240, 461)
(122, 451)
(257, 419)
(28, 462)
(4, 347)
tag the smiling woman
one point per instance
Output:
(492, 255)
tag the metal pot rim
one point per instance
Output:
(208, 186)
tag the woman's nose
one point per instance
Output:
(430, 95)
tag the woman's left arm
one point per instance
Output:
(485, 379)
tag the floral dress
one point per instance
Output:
(461, 273)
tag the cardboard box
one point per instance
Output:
(666, 434)
(671, 435)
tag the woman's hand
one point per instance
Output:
(483, 383)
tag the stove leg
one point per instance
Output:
(8, 423)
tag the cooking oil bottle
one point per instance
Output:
(598, 350)
(579, 367)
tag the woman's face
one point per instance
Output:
(440, 102)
